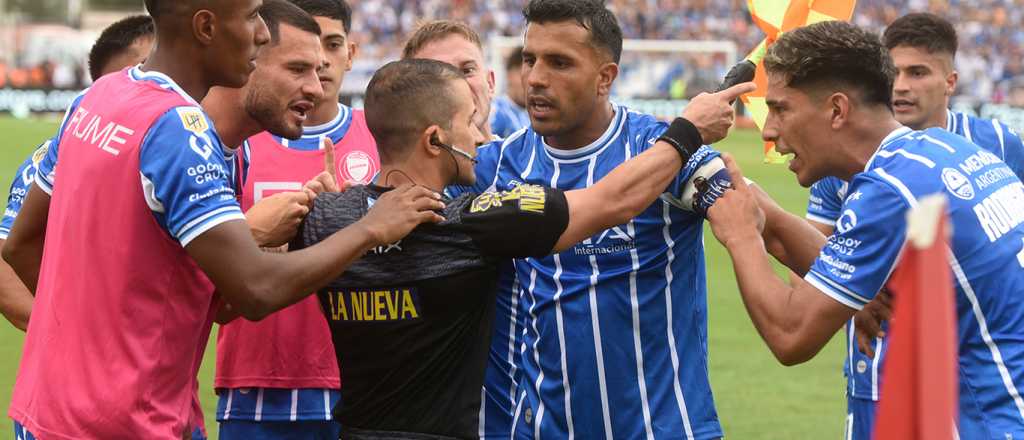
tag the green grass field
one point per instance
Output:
(757, 398)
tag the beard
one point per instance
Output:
(270, 114)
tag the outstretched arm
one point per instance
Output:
(633, 186)
(795, 321)
(258, 283)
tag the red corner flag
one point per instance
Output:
(919, 395)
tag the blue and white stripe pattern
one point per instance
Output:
(615, 328)
(826, 199)
(276, 404)
(986, 257)
(312, 136)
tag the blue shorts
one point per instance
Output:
(297, 430)
(860, 418)
(20, 433)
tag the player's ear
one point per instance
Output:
(430, 140)
(951, 81)
(204, 26)
(839, 106)
(353, 51)
(490, 82)
(606, 75)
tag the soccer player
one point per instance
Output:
(142, 231)
(637, 366)
(411, 323)
(830, 100)
(456, 43)
(125, 43)
(278, 378)
(508, 113)
(923, 47)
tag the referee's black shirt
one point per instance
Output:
(411, 322)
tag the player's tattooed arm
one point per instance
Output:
(23, 250)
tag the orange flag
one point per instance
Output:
(919, 395)
(775, 17)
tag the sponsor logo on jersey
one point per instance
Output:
(387, 304)
(957, 183)
(193, 120)
(977, 161)
(1002, 211)
(847, 221)
(530, 198)
(357, 166)
(381, 250)
(611, 241)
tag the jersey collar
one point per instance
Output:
(137, 74)
(610, 134)
(344, 112)
(893, 136)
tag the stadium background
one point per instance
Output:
(43, 44)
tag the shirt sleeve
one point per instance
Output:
(526, 221)
(46, 167)
(825, 201)
(185, 178)
(858, 259)
(19, 188)
(1013, 151)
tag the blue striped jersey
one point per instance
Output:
(312, 136)
(276, 404)
(826, 199)
(507, 117)
(986, 209)
(614, 343)
(20, 185)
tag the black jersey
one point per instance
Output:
(411, 321)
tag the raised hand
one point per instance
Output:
(399, 211)
(326, 181)
(736, 214)
(713, 113)
(274, 220)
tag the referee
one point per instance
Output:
(411, 321)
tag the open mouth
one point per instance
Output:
(903, 105)
(300, 110)
(539, 105)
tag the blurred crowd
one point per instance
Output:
(990, 61)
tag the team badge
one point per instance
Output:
(40, 153)
(357, 166)
(193, 120)
(957, 183)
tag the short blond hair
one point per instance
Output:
(433, 30)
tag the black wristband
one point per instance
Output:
(684, 136)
